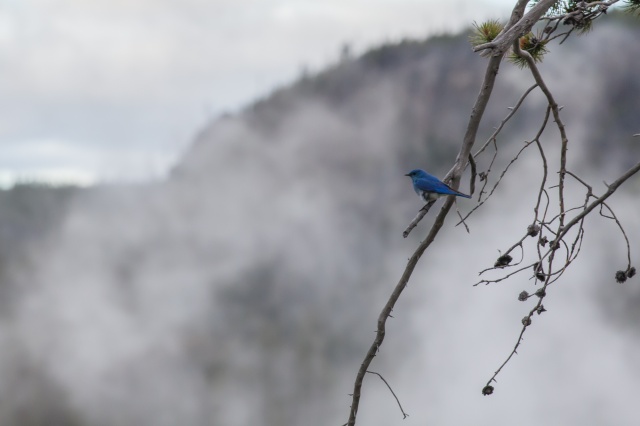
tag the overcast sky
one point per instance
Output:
(115, 89)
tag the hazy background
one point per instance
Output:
(115, 90)
(242, 285)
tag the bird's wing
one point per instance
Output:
(433, 184)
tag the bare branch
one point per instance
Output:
(423, 211)
(404, 415)
(504, 172)
(624, 234)
(512, 111)
(611, 189)
(472, 183)
(556, 116)
(558, 241)
(454, 175)
(554, 248)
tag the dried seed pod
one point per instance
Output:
(503, 261)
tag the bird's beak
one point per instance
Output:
(407, 174)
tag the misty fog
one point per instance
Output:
(245, 288)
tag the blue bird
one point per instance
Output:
(429, 188)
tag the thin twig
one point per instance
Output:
(512, 111)
(624, 234)
(611, 189)
(495, 186)
(558, 242)
(423, 211)
(404, 415)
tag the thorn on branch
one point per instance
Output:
(541, 309)
(543, 241)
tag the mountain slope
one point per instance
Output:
(245, 289)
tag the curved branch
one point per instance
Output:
(611, 189)
(404, 415)
(454, 176)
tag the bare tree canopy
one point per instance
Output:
(557, 228)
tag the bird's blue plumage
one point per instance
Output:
(429, 187)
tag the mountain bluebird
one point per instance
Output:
(429, 188)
